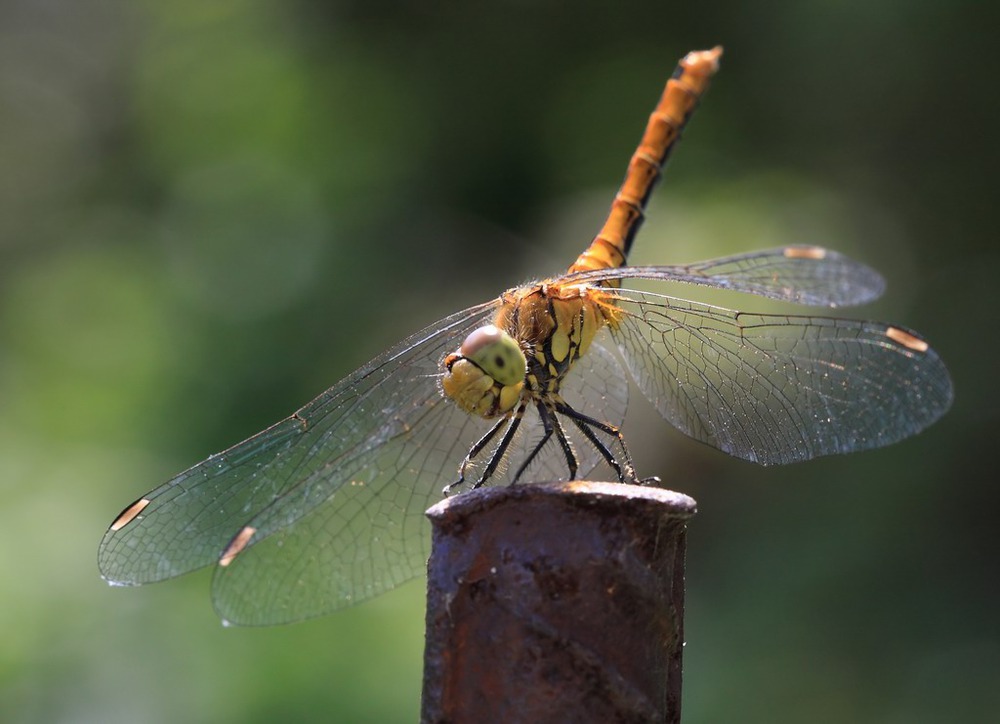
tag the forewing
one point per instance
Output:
(364, 530)
(779, 389)
(187, 522)
(808, 275)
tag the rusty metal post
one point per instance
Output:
(555, 603)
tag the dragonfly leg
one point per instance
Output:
(474, 451)
(624, 467)
(501, 448)
(551, 425)
(547, 427)
(509, 423)
(571, 460)
(601, 448)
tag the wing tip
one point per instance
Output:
(237, 545)
(129, 514)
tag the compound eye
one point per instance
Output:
(496, 353)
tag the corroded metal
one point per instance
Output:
(555, 603)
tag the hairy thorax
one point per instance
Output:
(547, 326)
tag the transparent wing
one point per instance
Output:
(807, 275)
(364, 531)
(779, 389)
(359, 526)
(277, 476)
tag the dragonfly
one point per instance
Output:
(325, 508)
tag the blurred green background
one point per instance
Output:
(209, 212)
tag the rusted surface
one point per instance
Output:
(556, 603)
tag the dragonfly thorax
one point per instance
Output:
(557, 324)
(540, 331)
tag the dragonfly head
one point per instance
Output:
(486, 375)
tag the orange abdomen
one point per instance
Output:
(611, 246)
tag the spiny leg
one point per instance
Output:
(571, 461)
(625, 469)
(600, 447)
(551, 425)
(474, 451)
(501, 448)
(547, 427)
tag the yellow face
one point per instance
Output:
(485, 377)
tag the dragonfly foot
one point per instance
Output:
(628, 477)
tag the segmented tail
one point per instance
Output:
(689, 81)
